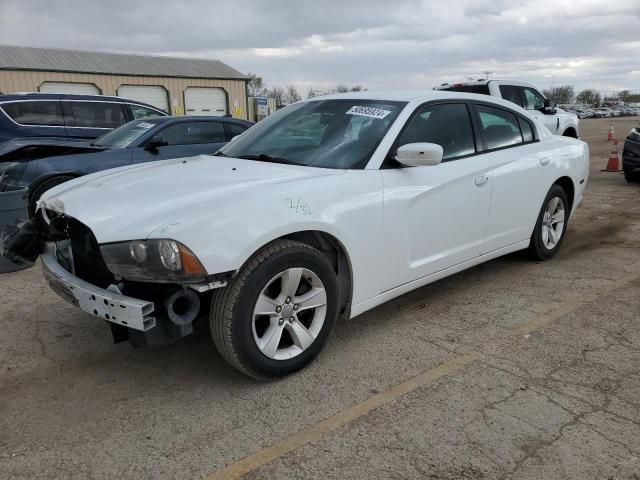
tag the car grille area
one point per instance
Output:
(77, 249)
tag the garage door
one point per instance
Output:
(151, 94)
(69, 87)
(205, 101)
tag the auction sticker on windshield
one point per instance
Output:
(368, 112)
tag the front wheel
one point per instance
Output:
(276, 314)
(551, 226)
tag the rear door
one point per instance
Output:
(520, 170)
(91, 119)
(34, 118)
(435, 216)
(184, 139)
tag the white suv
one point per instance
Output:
(528, 97)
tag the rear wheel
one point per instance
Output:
(277, 313)
(551, 226)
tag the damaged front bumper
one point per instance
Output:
(106, 304)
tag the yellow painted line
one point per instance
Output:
(317, 431)
(570, 306)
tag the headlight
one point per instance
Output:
(163, 260)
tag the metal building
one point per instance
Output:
(178, 85)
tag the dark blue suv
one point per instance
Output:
(57, 115)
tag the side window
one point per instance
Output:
(448, 125)
(95, 114)
(501, 128)
(35, 113)
(193, 133)
(235, 129)
(138, 111)
(527, 131)
(511, 93)
(532, 99)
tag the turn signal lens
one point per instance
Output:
(190, 263)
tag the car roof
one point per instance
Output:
(416, 96)
(68, 96)
(482, 81)
(191, 118)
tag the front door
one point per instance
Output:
(435, 216)
(534, 103)
(184, 139)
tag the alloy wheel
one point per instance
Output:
(289, 313)
(553, 223)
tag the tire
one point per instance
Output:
(236, 328)
(631, 178)
(48, 184)
(544, 245)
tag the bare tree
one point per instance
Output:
(292, 95)
(563, 94)
(279, 95)
(623, 95)
(342, 88)
(256, 86)
(589, 97)
(357, 88)
(312, 93)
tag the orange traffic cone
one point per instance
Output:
(613, 165)
(612, 134)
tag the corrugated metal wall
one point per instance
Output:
(29, 81)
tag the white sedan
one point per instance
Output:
(326, 209)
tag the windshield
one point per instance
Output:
(340, 134)
(125, 135)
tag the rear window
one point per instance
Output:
(501, 128)
(41, 112)
(481, 89)
(95, 114)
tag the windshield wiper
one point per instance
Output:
(263, 157)
(219, 154)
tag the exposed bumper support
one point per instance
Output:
(105, 304)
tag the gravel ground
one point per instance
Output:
(513, 369)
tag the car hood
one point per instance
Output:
(130, 202)
(11, 148)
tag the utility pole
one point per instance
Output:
(487, 73)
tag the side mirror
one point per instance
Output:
(549, 107)
(419, 154)
(155, 142)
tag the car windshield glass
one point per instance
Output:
(125, 135)
(340, 134)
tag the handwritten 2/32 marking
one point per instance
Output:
(298, 206)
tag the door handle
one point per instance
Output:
(544, 161)
(482, 179)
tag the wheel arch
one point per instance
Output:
(567, 185)
(570, 132)
(50, 176)
(335, 251)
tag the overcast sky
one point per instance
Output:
(379, 44)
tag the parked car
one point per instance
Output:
(67, 116)
(377, 194)
(40, 165)
(631, 156)
(526, 96)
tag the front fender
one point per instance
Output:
(348, 207)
